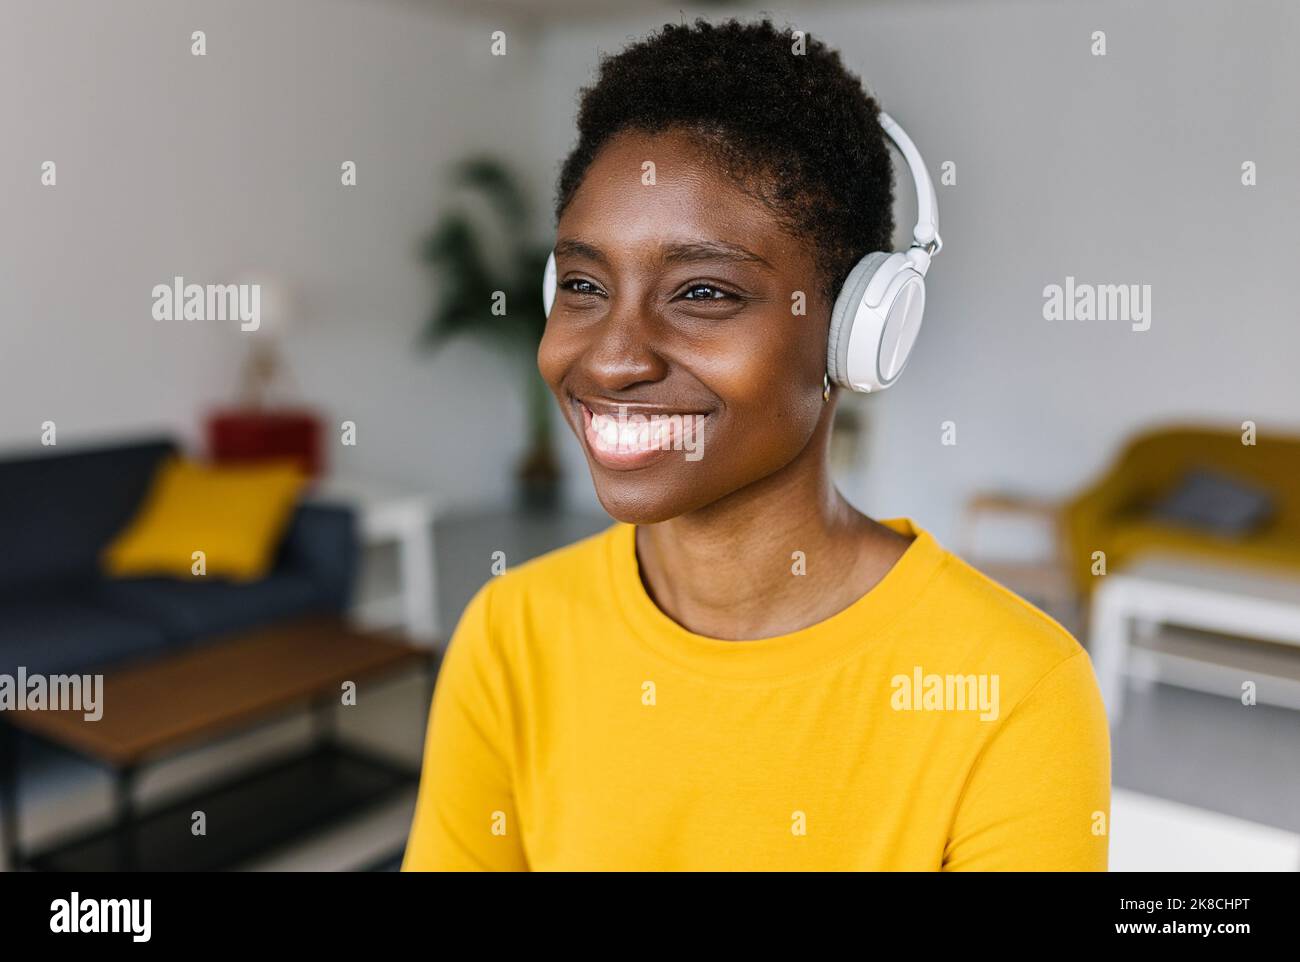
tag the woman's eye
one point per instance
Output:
(580, 286)
(705, 292)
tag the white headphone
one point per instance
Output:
(877, 314)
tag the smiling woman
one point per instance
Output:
(712, 683)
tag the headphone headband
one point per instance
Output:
(926, 232)
(877, 313)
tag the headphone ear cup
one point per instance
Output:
(902, 325)
(843, 314)
(549, 284)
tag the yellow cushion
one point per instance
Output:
(235, 515)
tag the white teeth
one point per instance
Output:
(606, 431)
(611, 434)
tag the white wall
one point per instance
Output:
(206, 166)
(1115, 169)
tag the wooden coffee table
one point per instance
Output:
(177, 702)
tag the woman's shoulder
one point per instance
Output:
(506, 618)
(988, 624)
(956, 610)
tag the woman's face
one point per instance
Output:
(688, 338)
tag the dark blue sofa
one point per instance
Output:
(59, 614)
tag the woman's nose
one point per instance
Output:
(623, 350)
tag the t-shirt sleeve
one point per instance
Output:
(1038, 797)
(465, 814)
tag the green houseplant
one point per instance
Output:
(497, 299)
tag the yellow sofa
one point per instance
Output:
(1112, 514)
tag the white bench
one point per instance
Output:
(1136, 615)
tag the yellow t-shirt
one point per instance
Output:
(938, 722)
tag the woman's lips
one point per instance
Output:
(627, 440)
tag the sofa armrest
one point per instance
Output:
(1088, 519)
(322, 543)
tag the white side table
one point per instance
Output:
(1157, 590)
(385, 515)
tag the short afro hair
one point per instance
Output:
(796, 130)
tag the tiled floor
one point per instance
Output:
(1212, 753)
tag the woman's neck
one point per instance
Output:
(779, 555)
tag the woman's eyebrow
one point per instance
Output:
(578, 248)
(679, 253)
(708, 251)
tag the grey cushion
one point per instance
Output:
(1216, 502)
